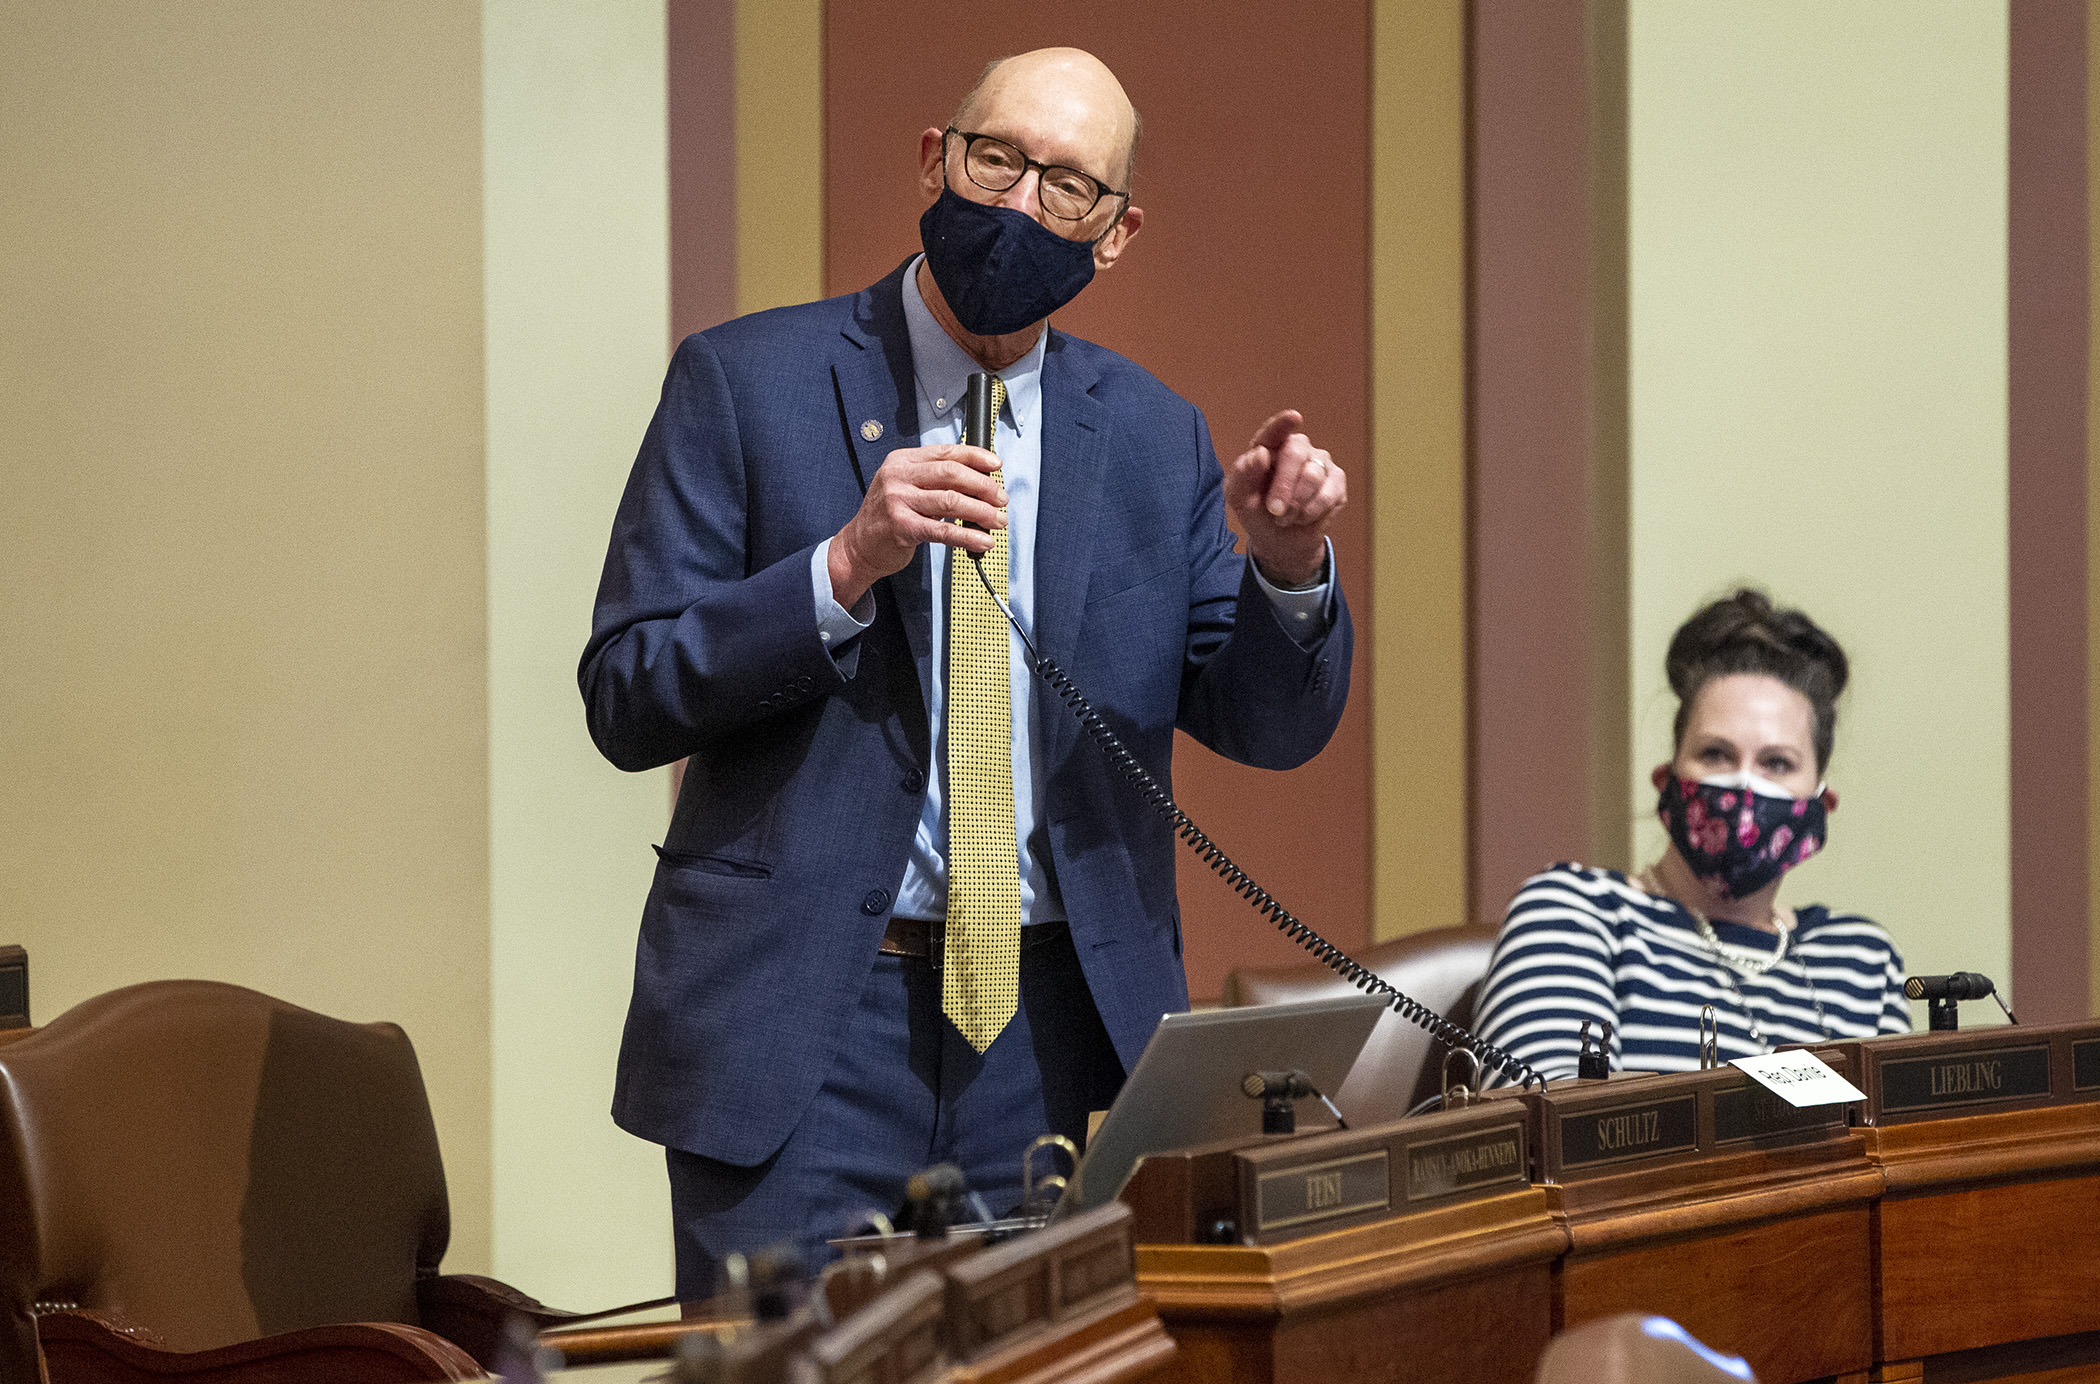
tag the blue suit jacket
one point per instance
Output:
(805, 786)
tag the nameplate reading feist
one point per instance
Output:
(1323, 1191)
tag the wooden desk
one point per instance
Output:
(1987, 1238)
(1437, 1267)
(1056, 1306)
(1708, 1200)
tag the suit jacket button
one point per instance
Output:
(802, 684)
(914, 782)
(876, 901)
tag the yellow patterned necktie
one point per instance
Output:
(981, 958)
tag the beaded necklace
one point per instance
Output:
(1734, 959)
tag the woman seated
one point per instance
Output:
(1744, 801)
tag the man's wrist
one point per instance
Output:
(844, 589)
(1284, 579)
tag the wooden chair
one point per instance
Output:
(1401, 1065)
(199, 1180)
(1637, 1349)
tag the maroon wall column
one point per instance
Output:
(1247, 291)
(1547, 500)
(700, 40)
(2047, 265)
(700, 138)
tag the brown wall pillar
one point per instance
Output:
(1548, 564)
(1248, 291)
(2048, 255)
(700, 44)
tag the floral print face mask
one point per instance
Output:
(1741, 830)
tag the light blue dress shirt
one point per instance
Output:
(942, 369)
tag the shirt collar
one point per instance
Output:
(942, 368)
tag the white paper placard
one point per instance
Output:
(1801, 1077)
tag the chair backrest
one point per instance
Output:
(1635, 1348)
(213, 1165)
(1401, 1065)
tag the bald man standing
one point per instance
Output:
(905, 911)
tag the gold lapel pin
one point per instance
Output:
(871, 430)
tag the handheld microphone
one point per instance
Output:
(977, 411)
(1962, 985)
(977, 418)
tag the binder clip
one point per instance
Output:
(1594, 1064)
(1039, 1196)
(1709, 1039)
(1459, 1095)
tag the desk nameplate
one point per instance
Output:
(2085, 1065)
(1635, 1129)
(1751, 1111)
(1587, 1129)
(1471, 1162)
(1933, 1075)
(1291, 1188)
(1964, 1077)
(1335, 1189)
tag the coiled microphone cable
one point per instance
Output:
(1238, 880)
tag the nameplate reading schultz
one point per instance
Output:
(1629, 1131)
(1323, 1191)
(1485, 1159)
(1980, 1076)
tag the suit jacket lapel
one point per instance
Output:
(1075, 448)
(875, 387)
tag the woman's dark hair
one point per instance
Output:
(1743, 633)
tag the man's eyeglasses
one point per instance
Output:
(995, 166)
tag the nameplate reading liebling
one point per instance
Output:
(1486, 1158)
(2085, 1065)
(1636, 1130)
(1323, 1191)
(1980, 1076)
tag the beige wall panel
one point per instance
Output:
(578, 314)
(1818, 312)
(779, 153)
(1417, 490)
(241, 588)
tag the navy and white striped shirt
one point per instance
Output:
(1591, 944)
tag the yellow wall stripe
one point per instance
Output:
(779, 153)
(1418, 440)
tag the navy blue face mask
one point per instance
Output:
(1000, 269)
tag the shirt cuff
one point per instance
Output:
(836, 625)
(1305, 615)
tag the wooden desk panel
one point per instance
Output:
(1989, 1232)
(1791, 1296)
(1458, 1294)
(1749, 1224)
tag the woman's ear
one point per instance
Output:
(1662, 773)
(1830, 799)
